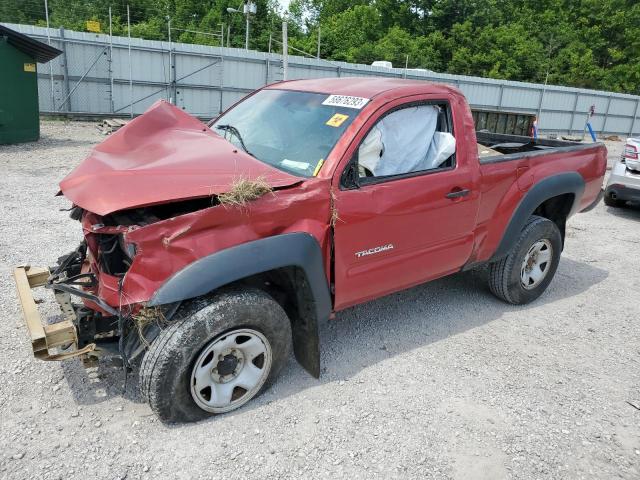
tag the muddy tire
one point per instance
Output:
(525, 273)
(220, 352)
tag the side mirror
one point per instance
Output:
(349, 179)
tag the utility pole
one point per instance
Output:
(110, 61)
(171, 66)
(246, 34)
(130, 68)
(318, 55)
(248, 9)
(285, 48)
(53, 98)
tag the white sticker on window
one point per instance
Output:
(293, 164)
(345, 101)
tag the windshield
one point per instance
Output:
(292, 131)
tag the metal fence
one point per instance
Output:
(102, 75)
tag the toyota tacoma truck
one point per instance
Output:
(212, 250)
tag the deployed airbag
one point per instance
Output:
(443, 145)
(406, 141)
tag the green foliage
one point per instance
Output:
(590, 43)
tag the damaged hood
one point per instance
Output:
(162, 156)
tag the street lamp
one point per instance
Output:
(248, 9)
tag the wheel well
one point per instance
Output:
(557, 210)
(290, 287)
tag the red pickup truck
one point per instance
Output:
(210, 250)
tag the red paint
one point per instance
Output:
(161, 156)
(431, 234)
(166, 155)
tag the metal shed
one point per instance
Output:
(19, 112)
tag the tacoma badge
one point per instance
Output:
(374, 250)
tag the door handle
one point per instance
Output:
(458, 193)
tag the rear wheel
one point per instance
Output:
(222, 351)
(525, 273)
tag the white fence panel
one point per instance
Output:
(92, 78)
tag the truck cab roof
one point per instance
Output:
(368, 87)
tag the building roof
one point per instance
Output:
(368, 87)
(40, 52)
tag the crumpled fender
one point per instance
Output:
(166, 247)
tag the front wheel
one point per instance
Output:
(525, 273)
(222, 351)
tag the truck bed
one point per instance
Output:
(513, 147)
(510, 165)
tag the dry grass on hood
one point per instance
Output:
(243, 191)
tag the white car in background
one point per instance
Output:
(624, 182)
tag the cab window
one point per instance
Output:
(415, 138)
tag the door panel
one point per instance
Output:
(402, 232)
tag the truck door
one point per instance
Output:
(407, 203)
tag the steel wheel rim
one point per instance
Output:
(536, 264)
(231, 369)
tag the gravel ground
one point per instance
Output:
(440, 381)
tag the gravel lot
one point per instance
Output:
(440, 381)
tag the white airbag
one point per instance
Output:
(406, 141)
(443, 145)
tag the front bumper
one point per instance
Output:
(46, 339)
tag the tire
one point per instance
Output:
(506, 276)
(613, 202)
(170, 367)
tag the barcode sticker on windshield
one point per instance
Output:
(345, 101)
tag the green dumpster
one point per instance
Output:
(19, 112)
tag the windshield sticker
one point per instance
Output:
(345, 101)
(318, 167)
(337, 120)
(295, 165)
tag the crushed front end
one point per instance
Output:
(97, 318)
(147, 199)
(88, 326)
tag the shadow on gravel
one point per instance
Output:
(370, 333)
(366, 334)
(48, 142)
(99, 384)
(630, 211)
(45, 143)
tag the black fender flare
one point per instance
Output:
(259, 256)
(549, 187)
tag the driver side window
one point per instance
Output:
(410, 139)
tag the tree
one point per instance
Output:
(591, 43)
